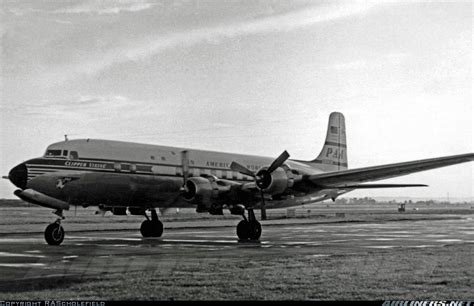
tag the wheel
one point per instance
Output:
(54, 234)
(255, 230)
(243, 230)
(151, 228)
(157, 228)
(146, 228)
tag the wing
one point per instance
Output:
(360, 175)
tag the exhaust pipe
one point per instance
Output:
(38, 198)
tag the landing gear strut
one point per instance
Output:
(249, 229)
(54, 233)
(153, 227)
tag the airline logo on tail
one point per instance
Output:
(333, 156)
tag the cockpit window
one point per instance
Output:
(73, 155)
(53, 153)
(64, 152)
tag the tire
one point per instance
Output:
(146, 229)
(243, 230)
(255, 230)
(157, 228)
(54, 234)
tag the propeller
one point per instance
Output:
(262, 177)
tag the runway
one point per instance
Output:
(25, 260)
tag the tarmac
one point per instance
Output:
(25, 258)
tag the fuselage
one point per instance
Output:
(130, 174)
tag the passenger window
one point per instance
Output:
(73, 155)
(126, 167)
(52, 153)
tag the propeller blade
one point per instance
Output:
(242, 169)
(185, 165)
(280, 160)
(263, 211)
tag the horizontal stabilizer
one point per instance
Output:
(370, 186)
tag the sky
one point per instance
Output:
(252, 77)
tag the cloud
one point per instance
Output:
(63, 21)
(104, 101)
(140, 50)
(89, 105)
(392, 59)
(100, 7)
(357, 64)
(106, 7)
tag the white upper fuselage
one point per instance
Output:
(160, 160)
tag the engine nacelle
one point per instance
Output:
(205, 191)
(42, 199)
(274, 183)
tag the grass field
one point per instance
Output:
(444, 273)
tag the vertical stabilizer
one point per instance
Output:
(333, 156)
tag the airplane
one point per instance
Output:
(138, 178)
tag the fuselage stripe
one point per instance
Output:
(145, 170)
(111, 163)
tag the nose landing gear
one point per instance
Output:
(54, 233)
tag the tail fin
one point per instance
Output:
(333, 156)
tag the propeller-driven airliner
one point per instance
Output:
(138, 178)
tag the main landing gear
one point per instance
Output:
(153, 227)
(54, 233)
(249, 229)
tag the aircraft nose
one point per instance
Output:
(19, 176)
